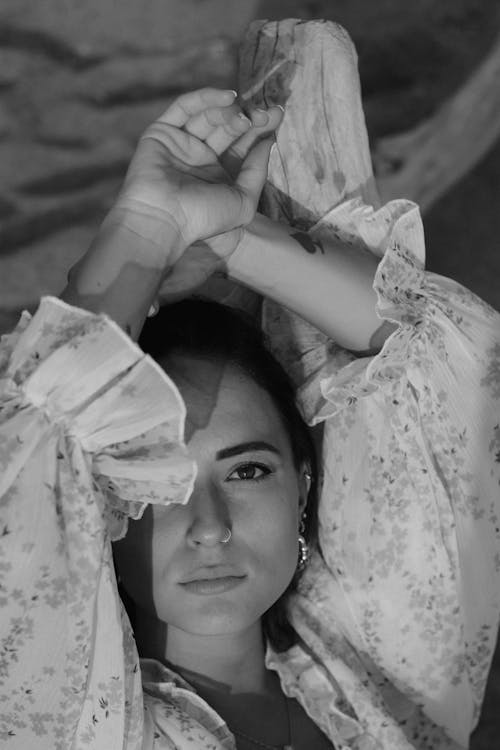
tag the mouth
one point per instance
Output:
(211, 572)
(213, 585)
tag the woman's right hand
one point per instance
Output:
(175, 194)
(202, 259)
(176, 179)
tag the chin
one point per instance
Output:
(221, 616)
(216, 616)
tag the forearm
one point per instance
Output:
(330, 285)
(121, 273)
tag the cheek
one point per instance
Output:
(274, 539)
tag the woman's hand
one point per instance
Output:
(176, 179)
(176, 193)
(201, 259)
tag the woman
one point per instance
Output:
(255, 459)
(85, 413)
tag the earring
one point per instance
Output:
(303, 546)
(308, 478)
(153, 310)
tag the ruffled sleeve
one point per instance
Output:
(90, 432)
(409, 516)
(308, 354)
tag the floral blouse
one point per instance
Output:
(398, 609)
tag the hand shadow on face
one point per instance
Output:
(150, 632)
(198, 380)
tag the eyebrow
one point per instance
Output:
(255, 445)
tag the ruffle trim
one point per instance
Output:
(396, 231)
(70, 371)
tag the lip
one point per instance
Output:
(207, 586)
(208, 572)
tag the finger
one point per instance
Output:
(252, 176)
(259, 117)
(204, 123)
(222, 137)
(176, 142)
(234, 155)
(192, 103)
(218, 126)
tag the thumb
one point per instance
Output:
(253, 172)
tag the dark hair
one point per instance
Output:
(207, 328)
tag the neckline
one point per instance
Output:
(157, 671)
(288, 745)
(265, 706)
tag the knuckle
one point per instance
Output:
(155, 129)
(162, 132)
(206, 93)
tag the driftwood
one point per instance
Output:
(425, 162)
(322, 155)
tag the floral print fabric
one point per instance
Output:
(406, 576)
(82, 408)
(397, 611)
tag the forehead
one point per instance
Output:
(223, 402)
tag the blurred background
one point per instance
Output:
(79, 81)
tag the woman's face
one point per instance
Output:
(247, 483)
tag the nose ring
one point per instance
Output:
(226, 538)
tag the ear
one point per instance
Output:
(304, 486)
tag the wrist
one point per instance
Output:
(256, 260)
(151, 234)
(122, 271)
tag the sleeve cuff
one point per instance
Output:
(432, 313)
(79, 373)
(393, 233)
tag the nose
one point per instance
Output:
(209, 519)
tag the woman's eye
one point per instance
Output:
(249, 472)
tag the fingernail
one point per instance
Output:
(233, 92)
(280, 106)
(244, 118)
(264, 116)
